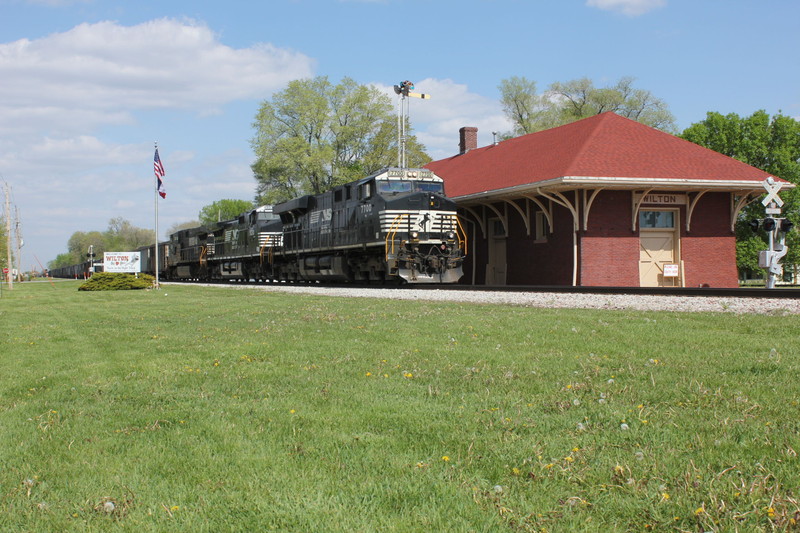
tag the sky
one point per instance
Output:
(88, 87)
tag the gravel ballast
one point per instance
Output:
(785, 306)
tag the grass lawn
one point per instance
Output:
(215, 409)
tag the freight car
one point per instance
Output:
(394, 226)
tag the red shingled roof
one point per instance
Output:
(602, 146)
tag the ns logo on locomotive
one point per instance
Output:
(395, 225)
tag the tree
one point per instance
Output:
(182, 225)
(314, 135)
(223, 210)
(124, 236)
(573, 100)
(771, 144)
(120, 236)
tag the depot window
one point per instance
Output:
(656, 219)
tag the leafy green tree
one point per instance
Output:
(62, 260)
(314, 135)
(223, 210)
(78, 246)
(182, 225)
(771, 144)
(569, 101)
(124, 236)
(121, 236)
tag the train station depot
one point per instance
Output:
(604, 201)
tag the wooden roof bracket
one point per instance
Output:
(738, 204)
(548, 211)
(525, 216)
(560, 199)
(503, 218)
(636, 205)
(477, 217)
(587, 206)
(690, 209)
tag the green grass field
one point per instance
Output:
(207, 409)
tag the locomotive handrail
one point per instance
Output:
(271, 242)
(460, 231)
(393, 229)
(203, 260)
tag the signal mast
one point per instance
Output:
(776, 228)
(403, 90)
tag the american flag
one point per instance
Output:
(158, 168)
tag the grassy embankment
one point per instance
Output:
(199, 409)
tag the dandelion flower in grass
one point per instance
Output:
(368, 374)
(291, 411)
(445, 458)
(624, 427)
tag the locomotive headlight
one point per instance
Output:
(451, 236)
(414, 235)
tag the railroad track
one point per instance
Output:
(711, 292)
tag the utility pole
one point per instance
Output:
(20, 244)
(8, 236)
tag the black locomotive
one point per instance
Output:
(395, 225)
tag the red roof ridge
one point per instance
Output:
(606, 145)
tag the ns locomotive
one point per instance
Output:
(396, 225)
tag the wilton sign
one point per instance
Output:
(662, 198)
(122, 262)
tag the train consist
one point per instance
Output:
(396, 225)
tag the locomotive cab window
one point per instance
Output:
(365, 191)
(393, 186)
(429, 186)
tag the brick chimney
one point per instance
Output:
(467, 139)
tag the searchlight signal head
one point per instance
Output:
(404, 87)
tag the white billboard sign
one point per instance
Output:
(122, 262)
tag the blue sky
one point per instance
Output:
(88, 86)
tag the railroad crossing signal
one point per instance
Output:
(773, 188)
(776, 229)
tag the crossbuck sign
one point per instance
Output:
(773, 189)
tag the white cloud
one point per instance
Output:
(98, 74)
(75, 107)
(631, 8)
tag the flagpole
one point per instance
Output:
(155, 197)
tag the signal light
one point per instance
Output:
(769, 224)
(786, 225)
(753, 225)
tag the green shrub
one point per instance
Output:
(106, 281)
